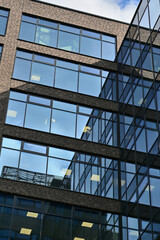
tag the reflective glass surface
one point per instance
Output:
(3, 21)
(67, 38)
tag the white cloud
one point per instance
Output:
(107, 8)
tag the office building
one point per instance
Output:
(79, 123)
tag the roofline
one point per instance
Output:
(78, 11)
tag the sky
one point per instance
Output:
(121, 10)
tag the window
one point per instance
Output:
(1, 51)
(3, 21)
(51, 72)
(61, 118)
(67, 38)
(56, 167)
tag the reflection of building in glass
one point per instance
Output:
(79, 127)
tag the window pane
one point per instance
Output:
(38, 118)
(91, 34)
(66, 79)
(108, 38)
(18, 96)
(29, 19)
(22, 69)
(108, 51)
(48, 23)
(58, 168)
(33, 162)
(61, 153)
(15, 113)
(42, 74)
(89, 84)
(69, 29)
(11, 143)
(42, 101)
(52, 228)
(91, 47)
(8, 161)
(46, 36)
(34, 148)
(23, 54)
(27, 31)
(63, 123)
(3, 24)
(68, 41)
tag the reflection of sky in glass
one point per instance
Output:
(9, 158)
(61, 153)
(57, 167)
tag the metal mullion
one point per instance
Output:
(25, 111)
(78, 83)
(37, 20)
(58, 30)
(76, 126)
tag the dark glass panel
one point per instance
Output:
(56, 228)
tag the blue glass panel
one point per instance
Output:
(108, 51)
(27, 31)
(11, 143)
(90, 70)
(108, 38)
(63, 123)
(155, 191)
(44, 59)
(33, 162)
(82, 126)
(69, 29)
(67, 65)
(58, 168)
(42, 74)
(8, 159)
(89, 84)
(48, 23)
(22, 69)
(18, 96)
(61, 153)
(46, 36)
(23, 54)
(43, 101)
(66, 79)
(91, 34)
(38, 117)
(3, 24)
(91, 47)
(35, 148)
(4, 13)
(64, 106)
(15, 113)
(68, 41)
(29, 19)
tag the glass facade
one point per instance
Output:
(132, 129)
(24, 218)
(3, 21)
(1, 48)
(65, 75)
(67, 38)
